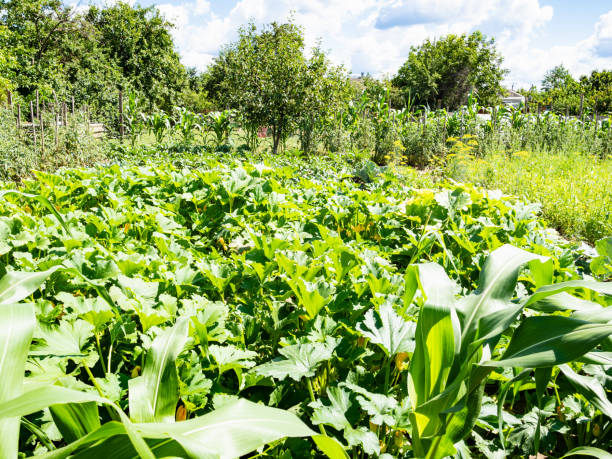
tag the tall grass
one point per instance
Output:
(574, 188)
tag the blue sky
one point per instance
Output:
(374, 37)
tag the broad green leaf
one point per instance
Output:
(588, 451)
(44, 396)
(550, 340)
(237, 428)
(333, 414)
(387, 329)
(380, 407)
(495, 288)
(301, 361)
(68, 339)
(330, 447)
(75, 420)
(590, 388)
(17, 322)
(154, 395)
(17, 285)
(436, 344)
(230, 357)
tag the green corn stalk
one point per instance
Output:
(456, 339)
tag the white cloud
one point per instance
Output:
(375, 36)
(603, 35)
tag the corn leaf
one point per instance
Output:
(154, 395)
(18, 322)
(550, 340)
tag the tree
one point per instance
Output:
(557, 78)
(92, 55)
(325, 92)
(443, 72)
(6, 63)
(597, 88)
(34, 29)
(266, 76)
(138, 41)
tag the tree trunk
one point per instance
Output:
(276, 135)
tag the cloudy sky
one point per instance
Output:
(375, 36)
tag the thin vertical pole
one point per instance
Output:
(581, 105)
(42, 130)
(19, 119)
(37, 105)
(33, 121)
(595, 117)
(56, 128)
(121, 132)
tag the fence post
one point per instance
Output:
(595, 118)
(494, 117)
(42, 130)
(33, 122)
(581, 105)
(9, 99)
(121, 115)
(37, 105)
(19, 120)
(56, 127)
(87, 119)
(64, 115)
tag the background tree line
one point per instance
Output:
(52, 48)
(561, 93)
(266, 74)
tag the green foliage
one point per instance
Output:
(266, 76)
(557, 78)
(572, 188)
(441, 73)
(171, 293)
(90, 55)
(561, 93)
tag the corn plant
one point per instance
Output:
(187, 124)
(135, 119)
(456, 343)
(221, 124)
(159, 124)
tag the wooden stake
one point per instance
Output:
(121, 132)
(581, 105)
(595, 117)
(9, 99)
(56, 128)
(33, 122)
(37, 105)
(42, 131)
(19, 119)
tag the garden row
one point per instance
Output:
(396, 321)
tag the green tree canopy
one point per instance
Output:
(266, 76)
(444, 71)
(139, 42)
(92, 55)
(6, 62)
(557, 78)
